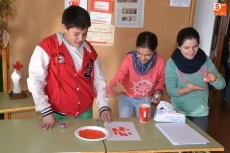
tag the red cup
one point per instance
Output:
(144, 112)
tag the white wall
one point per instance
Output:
(204, 23)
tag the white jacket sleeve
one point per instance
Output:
(100, 87)
(37, 79)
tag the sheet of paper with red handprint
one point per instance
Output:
(121, 131)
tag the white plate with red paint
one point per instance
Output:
(92, 133)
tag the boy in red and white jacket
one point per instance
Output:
(65, 74)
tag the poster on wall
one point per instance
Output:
(101, 34)
(101, 5)
(129, 13)
(180, 3)
(100, 17)
(82, 3)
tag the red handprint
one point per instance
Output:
(121, 131)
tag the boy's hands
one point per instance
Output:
(106, 116)
(48, 122)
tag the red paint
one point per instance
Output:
(206, 78)
(122, 131)
(91, 134)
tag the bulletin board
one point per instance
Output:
(34, 20)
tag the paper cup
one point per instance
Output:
(144, 112)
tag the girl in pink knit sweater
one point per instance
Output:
(140, 78)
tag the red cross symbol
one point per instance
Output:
(18, 66)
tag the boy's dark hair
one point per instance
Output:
(187, 33)
(148, 40)
(75, 16)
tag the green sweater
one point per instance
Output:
(195, 103)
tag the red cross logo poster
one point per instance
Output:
(81, 3)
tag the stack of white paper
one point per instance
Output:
(181, 134)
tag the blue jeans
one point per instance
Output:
(227, 89)
(127, 105)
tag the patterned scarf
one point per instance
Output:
(186, 65)
(140, 68)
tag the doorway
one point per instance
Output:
(223, 28)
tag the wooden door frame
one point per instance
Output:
(5, 68)
(192, 13)
(222, 32)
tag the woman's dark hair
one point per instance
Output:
(187, 33)
(148, 40)
(75, 16)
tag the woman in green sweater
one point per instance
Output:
(184, 77)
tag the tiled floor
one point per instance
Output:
(219, 124)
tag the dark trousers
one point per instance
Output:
(201, 122)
